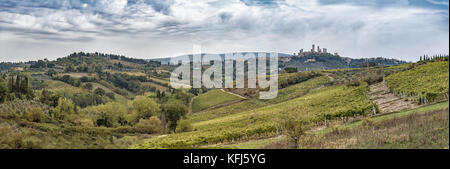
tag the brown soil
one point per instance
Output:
(387, 102)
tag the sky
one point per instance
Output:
(400, 29)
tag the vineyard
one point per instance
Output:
(423, 84)
(324, 103)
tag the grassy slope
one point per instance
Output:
(212, 98)
(63, 88)
(118, 97)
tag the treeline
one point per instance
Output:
(8, 65)
(294, 78)
(16, 86)
(433, 58)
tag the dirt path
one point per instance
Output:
(190, 104)
(329, 76)
(233, 94)
(220, 105)
(387, 102)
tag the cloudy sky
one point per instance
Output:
(401, 29)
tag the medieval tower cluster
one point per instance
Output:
(313, 50)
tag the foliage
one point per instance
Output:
(149, 126)
(290, 70)
(173, 113)
(99, 91)
(425, 83)
(294, 78)
(184, 126)
(34, 114)
(144, 108)
(293, 126)
(64, 108)
(88, 86)
(323, 104)
(3, 90)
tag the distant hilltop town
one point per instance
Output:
(313, 50)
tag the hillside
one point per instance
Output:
(336, 105)
(313, 61)
(94, 100)
(321, 61)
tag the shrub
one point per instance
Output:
(111, 95)
(65, 107)
(145, 107)
(184, 126)
(100, 91)
(367, 122)
(149, 126)
(174, 112)
(34, 114)
(84, 122)
(88, 86)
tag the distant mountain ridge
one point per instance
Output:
(167, 59)
(312, 61)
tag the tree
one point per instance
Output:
(293, 126)
(100, 91)
(174, 112)
(88, 86)
(49, 98)
(290, 69)
(51, 72)
(65, 107)
(3, 90)
(111, 95)
(110, 114)
(144, 108)
(194, 91)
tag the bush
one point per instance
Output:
(34, 114)
(149, 126)
(366, 123)
(111, 95)
(65, 107)
(88, 86)
(354, 83)
(145, 107)
(100, 91)
(84, 122)
(184, 126)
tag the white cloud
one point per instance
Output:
(438, 2)
(166, 28)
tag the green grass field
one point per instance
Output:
(212, 98)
